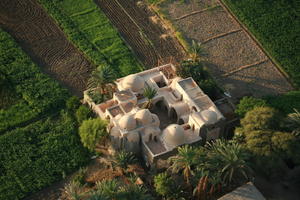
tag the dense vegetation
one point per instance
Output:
(37, 155)
(90, 30)
(34, 93)
(276, 25)
(46, 145)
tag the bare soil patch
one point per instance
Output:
(45, 43)
(229, 48)
(142, 31)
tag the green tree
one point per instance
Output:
(149, 93)
(133, 191)
(246, 104)
(163, 184)
(92, 132)
(122, 159)
(83, 113)
(112, 189)
(197, 52)
(260, 118)
(73, 190)
(230, 159)
(103, 77)
(184, 160)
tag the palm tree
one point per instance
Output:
(107, 189)
(150, 93)
(103, 78)
(111, 189)
(123, 159)
(197, 51)
(293, 122)
(72, 190)
(184, 160)
(136, 192)
(230, 159)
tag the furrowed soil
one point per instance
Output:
(45, 43)
(143, 32)
(239, 65)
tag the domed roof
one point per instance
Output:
(173, 135)
(209, 116)
(144, 116)
(127, 122)
(114, 132)
(133, 82)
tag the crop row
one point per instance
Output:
(275, 25)
(37, 155)
(39, 94)
(90, 30)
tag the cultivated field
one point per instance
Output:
(276, 25)
(142, 30)
(90, 30)
(38, 140)
(46, 44)
(237, 62)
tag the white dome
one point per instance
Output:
(144, 116)
(209, 116)
(133, 82)
(133, 136)
(127, 122)
(173, 135)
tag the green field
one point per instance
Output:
(46, 145)
(91, 31)
(276, 25)
(31, 94)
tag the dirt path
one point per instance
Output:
(237, 62)
(142, 31)
(45, 43)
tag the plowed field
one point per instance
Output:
(46, 44)
(141, 29)
(237, 61)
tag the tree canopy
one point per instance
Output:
(92, 131)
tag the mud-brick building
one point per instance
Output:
(181, 113)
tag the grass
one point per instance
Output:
(275, 25)
(91, 31)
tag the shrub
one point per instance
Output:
(247, 104)
(92, 131)
(163, 184)
(260, 118)
(83, 113)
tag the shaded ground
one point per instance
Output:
(143, 32)
(238, 64)
(45, 43)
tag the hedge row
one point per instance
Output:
(276, 25)
(37, 155)
(91, 31)
(39, 94)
